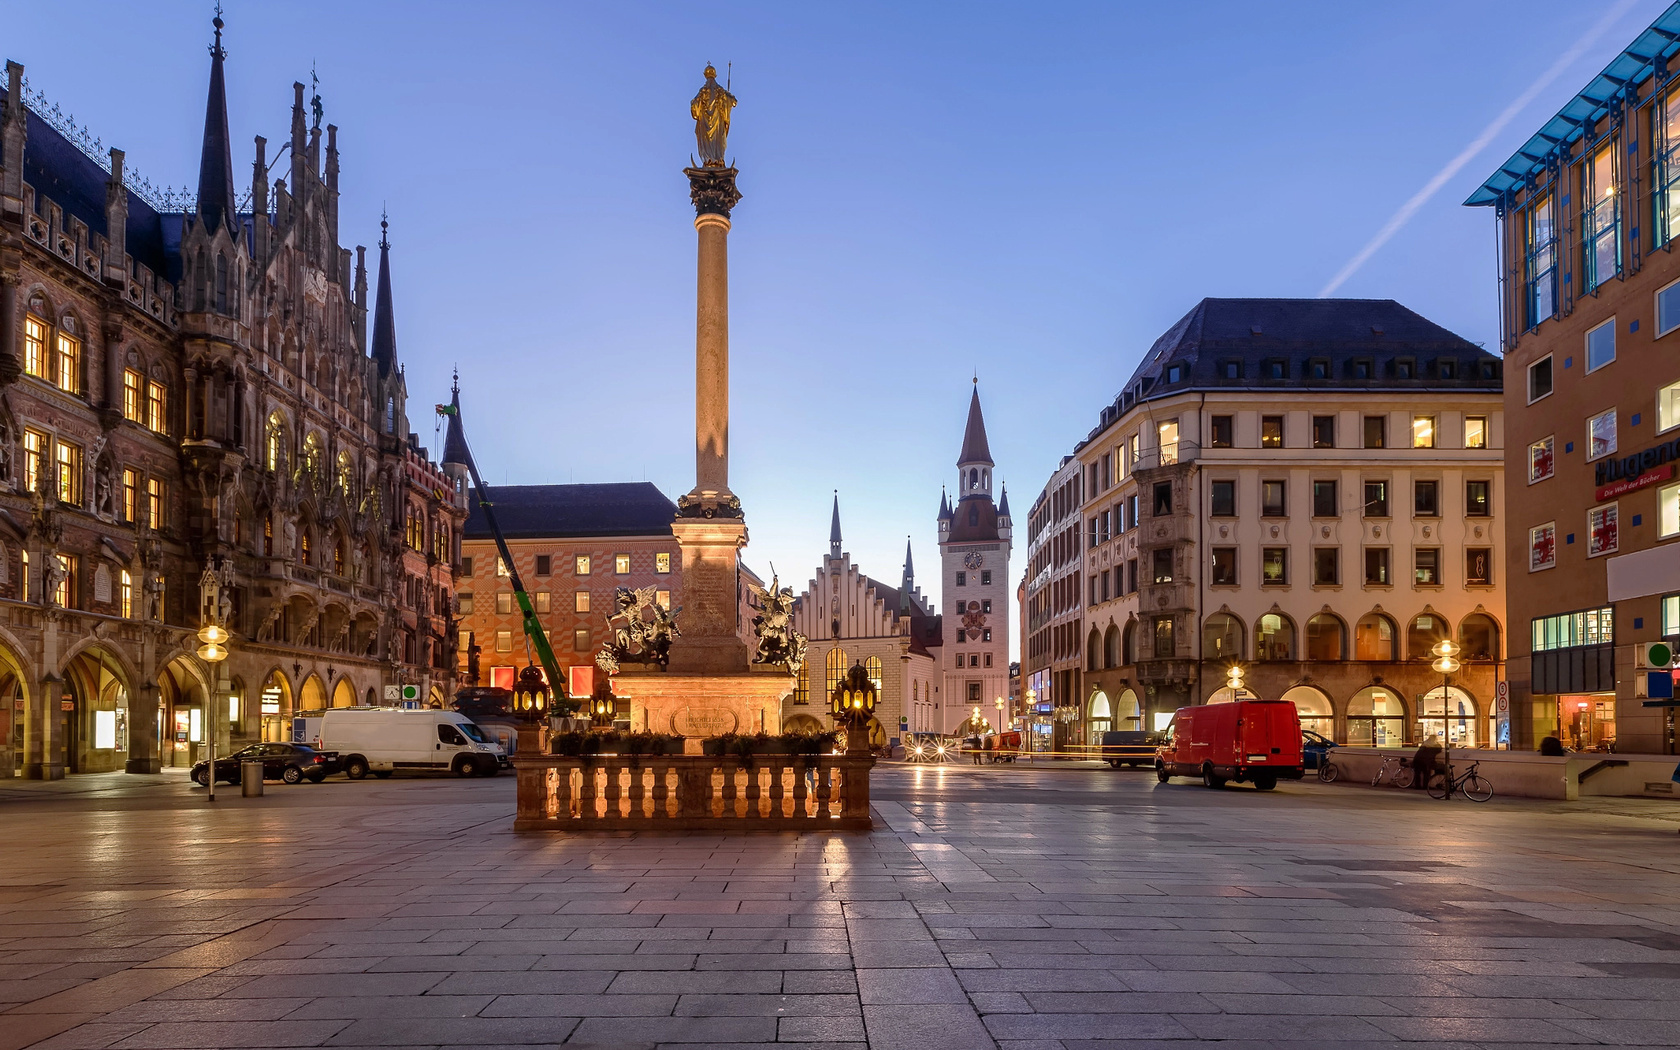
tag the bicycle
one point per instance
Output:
(1328, 771)
(1471, 784)
(1396, 770)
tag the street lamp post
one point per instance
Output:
(1028, 716)
(1234, 680)
(1446, 662)
(852, 704)
(214, 636)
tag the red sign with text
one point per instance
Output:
(1650, 477)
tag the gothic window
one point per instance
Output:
(199, 275)
(390, 415)
(221, 283)
(835, 667)
(346, 474)
(276, 451)
(872, 666)
(312, 453)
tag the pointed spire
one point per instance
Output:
(215, 166)
(908, 584)
(454, 442)
(384, 323)
(834, 528)
(945, 513)
(974, 447)
(1003, 504)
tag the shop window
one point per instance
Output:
(1376, 718)
(1540, 459)
(1274, 638)
(1601, 345)
(1325, 504)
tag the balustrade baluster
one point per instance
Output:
(778, 786)
(730, 788)
(565, 807)
(637, 790)
(754, 788)
(825, 788)
(614, 768)
(586, 796)
(661, 791)
(800, 765)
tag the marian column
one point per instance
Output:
(709, 525)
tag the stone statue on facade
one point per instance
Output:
(53, 574)
(710, 110)
(778, 642)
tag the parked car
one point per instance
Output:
(381, 740)
(292, 763)
(1315, 749)
(1252, 740)
(1129, 747)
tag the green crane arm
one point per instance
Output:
(533, 628)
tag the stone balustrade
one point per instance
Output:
(693, 793)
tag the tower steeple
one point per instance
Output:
(455, 455)
(974, 462)
(384, 322)
(215, 166)
(834, 528)
(907, 585)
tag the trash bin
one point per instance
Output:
(251, 778)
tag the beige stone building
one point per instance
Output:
(893, 632)
(1312, 489)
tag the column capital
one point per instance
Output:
(712, 190)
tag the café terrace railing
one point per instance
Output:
(693, 793)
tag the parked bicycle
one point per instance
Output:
(1328, 771)
(1394, 770)
(1471, 784)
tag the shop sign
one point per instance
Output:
(1618, 468)
(1617, 488)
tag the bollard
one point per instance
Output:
(251, 778)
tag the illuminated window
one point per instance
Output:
(1423, 431)
(1542, 546)
(157, 503)
(580, 639)
(872, 667)
(35, 347)
(1601, 212)
(1166, 437)
(662, 599)
(1665, 159)
(23, 587)
(504, 641)
(1475, 432)
(1540, 461)
(1601, 435)
(835, 667)
(67, 363)
(68, 584)
(34, 457)
(662, 560)
(542, 601)
(504, 603)
(68, 459)
(338, 557)
(621, 564)
(125, 595)
(157, 407)
(346, 473)
(1271, 431)
(581, 565)
(580, 602)
(134, 385)
(501, 567)
(1540, 259)
(307, 548)
(464, 605)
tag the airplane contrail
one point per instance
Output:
(1476, 145)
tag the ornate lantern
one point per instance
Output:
(853, 705)
(603, 705)
(531, 696)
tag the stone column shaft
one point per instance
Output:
(711, 349)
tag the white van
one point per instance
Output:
(380, 740)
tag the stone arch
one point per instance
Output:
(800, 722)
(1127, 708)
(1093, 651)
(1111, 647)
(1223, 636)
(1458, 724)
(1313, 706)
(1423, 631)
(1375, 637)
(313, 695)
(1128, 641)
(1326, 637)
(1274, 636)
(99, 683)
(344, 694)
(1479, 634)
(1376, 717)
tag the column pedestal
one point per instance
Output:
(710, 642)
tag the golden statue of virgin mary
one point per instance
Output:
(710, 110)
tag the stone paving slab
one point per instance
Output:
(1007, 907)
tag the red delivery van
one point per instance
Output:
(1253, 740)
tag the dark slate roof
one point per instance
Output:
(974, 446)
(985, 525)
(1305, 344)
(530, 512)
(75, 182)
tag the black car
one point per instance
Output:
(292, 763)
(1129, 747)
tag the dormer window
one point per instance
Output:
(1231, 369)
(1404, 368)
(1318, 368)
(1361, 368)
(1277, 369)
(1446, 368)
(1175, 373)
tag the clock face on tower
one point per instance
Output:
(973, 560)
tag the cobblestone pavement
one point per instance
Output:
(1010, 907)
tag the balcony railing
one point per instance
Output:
(693, 792)
(1167, 455)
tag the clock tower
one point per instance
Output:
(974, 542)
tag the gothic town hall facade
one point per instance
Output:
(182, 386)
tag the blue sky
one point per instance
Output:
(1032, 192)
